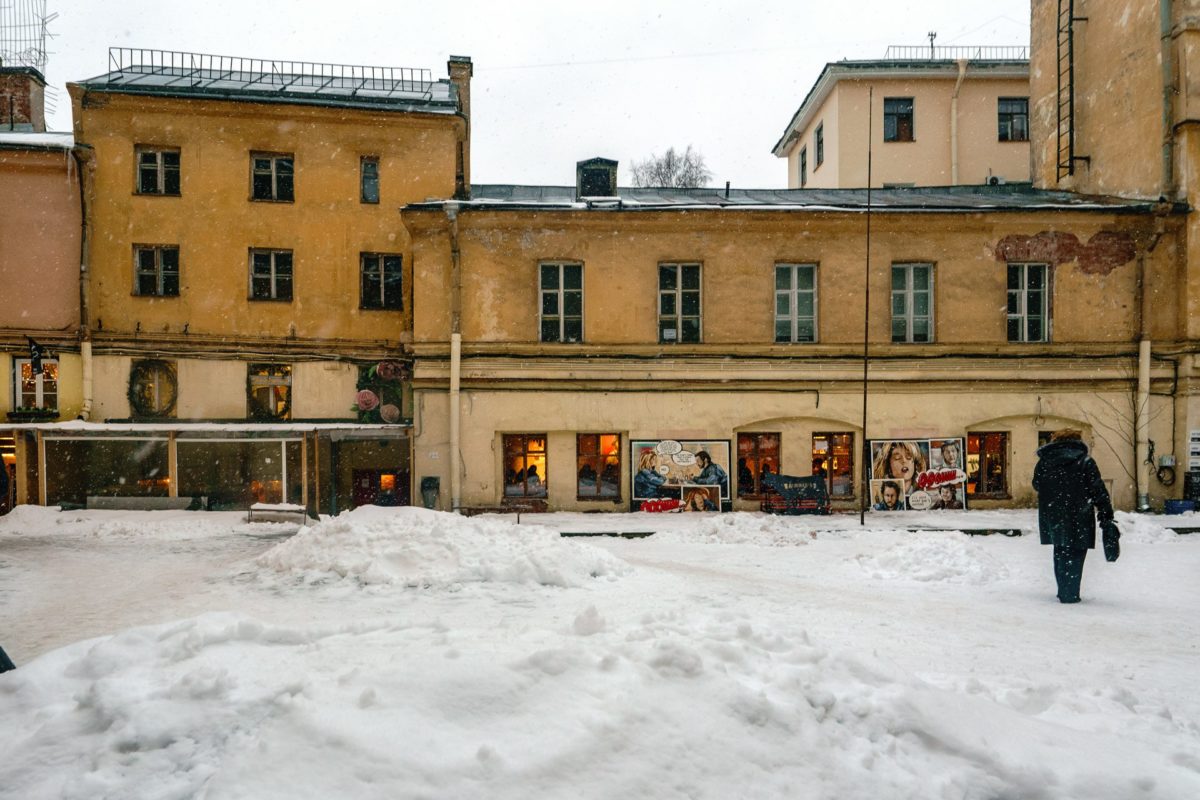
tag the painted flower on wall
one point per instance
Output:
(366, 399)
(389, 412)
(379, 395)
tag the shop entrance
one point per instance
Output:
(381, 487)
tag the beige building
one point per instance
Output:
(957, 115)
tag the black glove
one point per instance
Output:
(1112, 540)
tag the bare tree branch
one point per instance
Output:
(673, 169)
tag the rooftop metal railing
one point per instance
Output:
(268, 73)
(904, 52)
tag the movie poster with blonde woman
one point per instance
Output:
(917, 475)
(695, 472)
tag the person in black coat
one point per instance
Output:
(1071, 496)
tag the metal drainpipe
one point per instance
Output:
(962, 73)
(1168, 99)
(455, 359)
(85, 323)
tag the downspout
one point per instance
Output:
(82, 160)
(1168, 100)
(962, 73)
(455, 359)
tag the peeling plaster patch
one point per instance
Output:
(1103, 253)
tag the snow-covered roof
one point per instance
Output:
(36, 141)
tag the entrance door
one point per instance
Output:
(381, 487)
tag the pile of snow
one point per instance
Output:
(29, 520)
(741, 528)
(1150, 529)
(420, 548)
(929, 556)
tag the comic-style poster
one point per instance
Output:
(917, 475)
(693, 472)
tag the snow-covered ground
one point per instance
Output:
(402, 653)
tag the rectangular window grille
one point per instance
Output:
(157, 171)
(912, 302)
(679, 303)
(1028, 303)
(795, 303)
(273, 177)
(898, 119)
(271, 275)
(561, 314)
(157, 271)
(380, 281)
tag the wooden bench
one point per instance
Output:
(524, 506)
(277, 512)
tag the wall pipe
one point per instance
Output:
(82, 154)
(962, 73)
(455, 358)
(1168, 99)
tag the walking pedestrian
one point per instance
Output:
(1071, 495)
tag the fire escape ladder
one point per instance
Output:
(1066, 88)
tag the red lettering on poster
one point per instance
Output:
(937, 477)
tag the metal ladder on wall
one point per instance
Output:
(1066, 88)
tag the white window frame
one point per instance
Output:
(792, 293)
(678, 293)
(1021, 296)
(908, 294)
(40, 392)
(560, 296)
(274, 276)
(160, 169)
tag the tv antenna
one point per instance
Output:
(24, 28)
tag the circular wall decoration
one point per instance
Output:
(153, 389)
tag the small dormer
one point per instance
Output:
(595, 177)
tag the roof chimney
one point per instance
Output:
(595, 177)
(22, 99)
(460, 69)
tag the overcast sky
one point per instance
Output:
(559, 82)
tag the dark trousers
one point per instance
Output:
(1068, 571)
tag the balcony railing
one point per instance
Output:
(904, 52)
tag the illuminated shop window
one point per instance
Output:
(269, 388)
(525, 465)
(833, 457)
(598, 466)
(757, 455)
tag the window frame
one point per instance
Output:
(275, 159)
(761, 454)
(560, 294)
(598, 461)
(274, 275)
(160, 170)
(269, 375)
(383, 276)
(910, 317)
(40, 391)
(793, 294)
(677, 294)
(893, 129)
(363, 180)
(980, 439)
(803, 166)
(832, 453)
(159, 272)
(1005, 119)
(1021, 295)
(524, 453)
(819, 146)
(165, 377)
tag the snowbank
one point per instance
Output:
(432, 549)
(935, 556)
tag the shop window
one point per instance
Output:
(271, 275)
(157, 171)
(898, 119)
(987, 465)
(758, 455)
(157, 271)
(833, 458)
(562, 302)
(678, 303)
(1028, 303)
(32, 391)
(153, 388)
(525, 465)
(369, 179)
(819, 144)
(803, 166)
(912, 302)
(598, 466)
(269, 391)
(795, 302)
(272, 177)
(1013, 118)
(380, 281)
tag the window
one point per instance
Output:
(678, 303)
(369, 179)
(898, 119)
(269, 391)
(795, 303)
(271, 275)
(381, 281)
(758, 455)
(35, 391)
(272, 177)
(598, 466)
(819, 141)
(157, 171)
(803, 166)
(912, 303)
(153, 389)
(562, 302)
(833, 457)
(1028, 303)
(987, 464)
(1013, 117)
(157, 271)
(525, 465)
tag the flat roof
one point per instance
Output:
(17, 140)
(1003, 197)
(167, 73)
